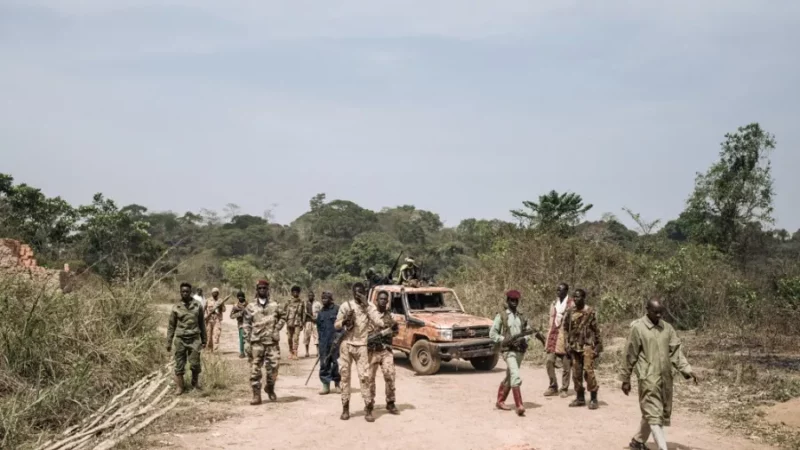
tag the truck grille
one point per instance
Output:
(470, 332)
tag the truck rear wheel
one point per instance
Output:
(425, 358)
(485, 363)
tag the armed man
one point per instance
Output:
(213, 317)
(583, 341)
(263, 320)
(237, 312)
(511, 331)
(328, 347)
(556, 348)
(188, 331)
(379, 346)
(295, 313)
(354, 318)
(374, 278)
(651, 352)
(409, 273)
(310, 321)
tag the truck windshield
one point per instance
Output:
(433, 302)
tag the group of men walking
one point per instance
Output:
(573, 338)
(359, 333)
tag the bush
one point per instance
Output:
(64, 355)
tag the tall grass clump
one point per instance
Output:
(64, 355)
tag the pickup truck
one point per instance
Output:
(433, 327)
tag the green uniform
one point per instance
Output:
(514, 324)
(188, 331)
(651, 352)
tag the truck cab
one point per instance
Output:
(433, 327)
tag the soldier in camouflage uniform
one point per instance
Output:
(583, 342)
(237, 312)
(263, 320)
(356, 316)
(380, 355)
(187, 330)
(214, 321)
(295, 313)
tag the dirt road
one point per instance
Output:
(453, 409)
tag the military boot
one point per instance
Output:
(390, 406)
(256, 396)
(345, 411)
(270, 390)
(306, 351)
(636, 445)
(326, 389)
(552, 391)
(580, 400)
(518, 401)
(368, 413)
(593, 401)
(502, 395)
(178, 384)
(195, 383)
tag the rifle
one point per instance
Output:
(337, 342)
(511, 342)
(216, 308)
(394, 267)
(375, 340)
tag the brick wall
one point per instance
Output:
(17, 259)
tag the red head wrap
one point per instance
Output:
(262, 283)
(513, 294)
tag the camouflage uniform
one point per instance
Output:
(295, 312)
(237, 312)
(262, 325)
(310, 327)
(381, 356)
(188, 331)
(583, 341)
(556, 348)
(214, 323)
(354, 346)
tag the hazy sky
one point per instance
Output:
(461, 107)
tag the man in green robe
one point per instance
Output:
(652, 350)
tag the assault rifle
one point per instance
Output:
(337, 342)
(513, 342)
(216, 308)
(375, 339)
(394, 267)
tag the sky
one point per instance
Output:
(462, 107)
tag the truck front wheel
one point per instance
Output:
(425, 358)
(485, 363)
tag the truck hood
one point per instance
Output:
(452, 319)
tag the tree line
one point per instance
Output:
(729, 212)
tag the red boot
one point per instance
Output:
(502, 395)
(518, 401)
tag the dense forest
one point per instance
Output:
(720, 254)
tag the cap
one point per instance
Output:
(215, 290)
(262, 283)
(513, 294)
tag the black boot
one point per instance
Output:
(195, 377)
(593, 401)
(392, 408)
(580, 400)
(368, 413)
(270, 390)
(345, 411)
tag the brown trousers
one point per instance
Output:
(583, 368)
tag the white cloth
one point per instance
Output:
(561, 308)
(201, 300)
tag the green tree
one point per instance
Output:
(735, 191)
(42, 222)
(239, 273)
(554, 211)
